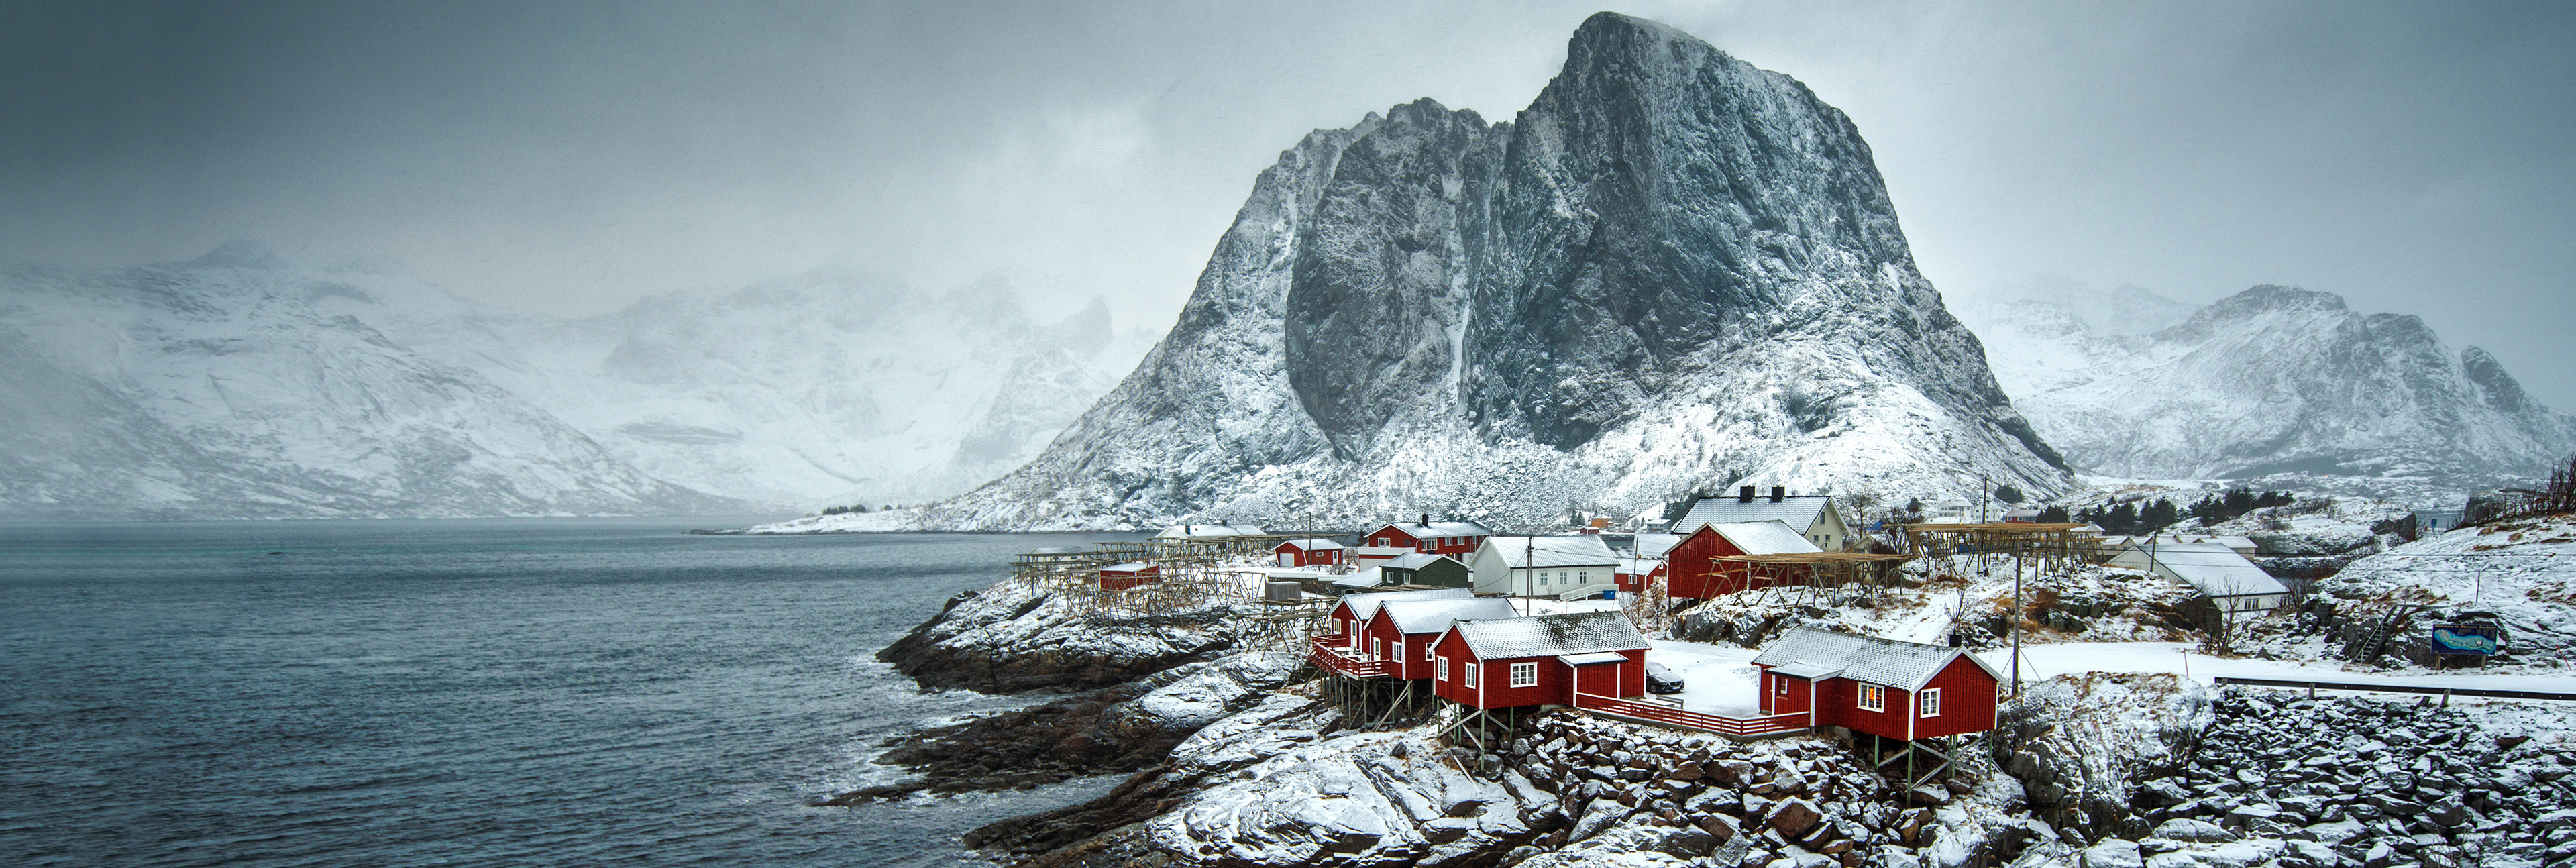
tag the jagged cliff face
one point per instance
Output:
(2272, 380)
(1673, 270)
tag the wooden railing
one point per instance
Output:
(1346, 662)
(1740, 727)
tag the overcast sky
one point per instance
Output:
(571, 157)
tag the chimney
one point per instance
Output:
(1744, 495)
(1426, 519)
(1778, 492)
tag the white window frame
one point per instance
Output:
(1872, 697)
(1467, 674)
(1524, 675)
(1783, 681)
(1929, 701)
(1426, 652)
(1442, 672)
(1583, 577)
(1377, 648)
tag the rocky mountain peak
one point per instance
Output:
(1670, 271)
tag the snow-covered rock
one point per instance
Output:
(1021, 634)
(1672, 270)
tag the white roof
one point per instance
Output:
(1415, 561)
(1366, 577)
(1312, 545)
(1582, 550)
(1185, 531)
(2210, 568)
(1128, 567)
(1640, 566)
(1364, 606)
(1435, 615)
(1763, 537)
(1799, 511)
(1594, 658)
(1903, 665)
(1654, 545)
(1550, 635)
(1439, 528)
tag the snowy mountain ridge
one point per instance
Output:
(1672, 270)
(241, 385)
(2271, 381)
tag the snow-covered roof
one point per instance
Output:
(1364, 606)
(1809, 671)
(1433, 616)
(1640, 566)
(1128, 567)
(1312, 544)
(1596, 657)
(1415, 561)
(1060, 550)
(2208, 567)
(1366, 577)
(1903, 665)
(1550, 635)
(1520, 552)
(1763, 537)
(1190, 531)
(1798, 511)
(1654, 545)
(1439, 528)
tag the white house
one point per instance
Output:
(1565, 567)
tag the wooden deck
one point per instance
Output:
(1349, 663)
(1656, 712)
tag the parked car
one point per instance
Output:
(1662, 680)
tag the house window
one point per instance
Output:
(1873, 698)
(1784, 685)
(1377, 647)
(1381, 542)
(1440, 670)
(1583, 577)
(1426, 652)
(1467, 674)
(1524, 674)
(1931, 701)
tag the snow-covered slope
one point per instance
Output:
(2273, 380)
(240, 385)
(832, 387)
(1672, 270)
(215, 388)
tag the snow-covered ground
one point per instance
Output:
(2178, 658)
(1716, 679)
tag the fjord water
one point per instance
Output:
(495, 692)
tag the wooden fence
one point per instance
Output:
(1337, 661)
(1737, 727)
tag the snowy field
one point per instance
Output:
(2046, 661)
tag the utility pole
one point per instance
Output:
(2016, 626)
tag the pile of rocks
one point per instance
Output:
(2289, 781)
(1633, 788)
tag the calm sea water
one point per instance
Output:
(470, 692)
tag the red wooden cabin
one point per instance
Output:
(1120, 577)
(1899, 690)
(1634, 574)
(1457, 539)
(1354, 611)
(1694, 576)
(1309, 553)
(1402, 630)
(1541, 660)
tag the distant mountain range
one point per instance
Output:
(2272, 381)
(1672, 271)
(238, 385)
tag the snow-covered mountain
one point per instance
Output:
(2271, 381)
(216, 389)
(1673, 270)
(240, 385)
(833, 387)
